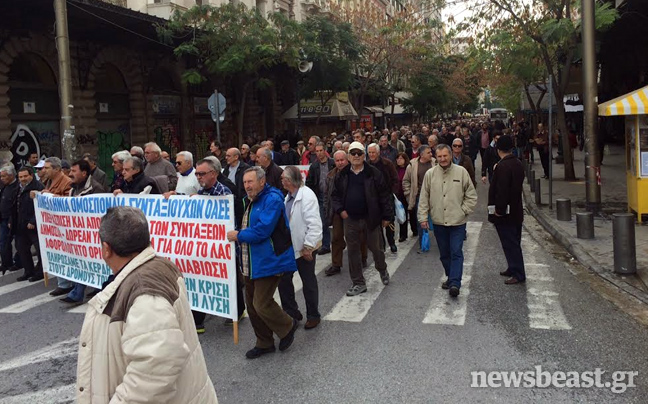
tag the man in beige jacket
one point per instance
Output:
(448, 196)
(138, 343)
(412, 181)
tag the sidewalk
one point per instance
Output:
(596, 254)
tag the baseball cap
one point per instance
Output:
(41, 164)
(357, 146)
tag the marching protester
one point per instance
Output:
(402, 161)
(461, 159)
(412, 185)
(541, 141)
(8, 195)
(448, 197)
(83, 183)
(235, 168)
(136, 182)
(97, 173)
(23, 225)
(217, 151)
(363, 200)
(138, 343)
(267, 252)
(158, 167)
(272, 170)
(306, 234)
(490, 158)
(188, 183)
(288, 156)
(309, 156)
(390, 177)
(386, 150)
(505, 209)
(118, 181)
(316, 181)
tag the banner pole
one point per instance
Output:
(45, 279)
(236, 333)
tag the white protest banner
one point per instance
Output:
(302, 169)
(189, 231)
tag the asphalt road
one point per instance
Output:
(407, 342)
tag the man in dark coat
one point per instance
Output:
(390, 176)
(235, 168)
(505, 208)
(273, 171)
(24, 226)
(490, 158)
(8, 195)
(363, 200)
(136, 181)
(316, 181)
(288, 156)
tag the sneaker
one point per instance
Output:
(454, 291)
(287, 341)
(200, 329)
(333, 270)
(393, 248)
(355, 290)
(256, 352)
(445, 285)
(384, 277)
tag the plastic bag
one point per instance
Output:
(425, 241)
(401, 216)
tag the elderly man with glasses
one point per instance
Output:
(188, 183)
(461, 159)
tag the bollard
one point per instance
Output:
(625, 249)
(585, 225)
(563, 209)
(538, 193)
(532, 180)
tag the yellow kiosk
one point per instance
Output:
(634, 106)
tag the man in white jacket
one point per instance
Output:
(305, 222)
(138, 343)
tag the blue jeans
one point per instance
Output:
(326, 230)
(78, 293)
(450, 242)
(64, 283)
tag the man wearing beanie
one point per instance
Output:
(505, 208)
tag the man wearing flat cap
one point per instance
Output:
(505, 208)
(288, 156)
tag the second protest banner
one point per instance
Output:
(189, 231)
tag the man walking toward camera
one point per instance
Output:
(447, 196)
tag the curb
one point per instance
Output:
(576, 250)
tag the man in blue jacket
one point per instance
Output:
(267, 253)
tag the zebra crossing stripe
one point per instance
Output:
(12, 287)
(55, 395)
(55, 351)
(452, 311)
(320, 264)
(355, 308)
(28, 304)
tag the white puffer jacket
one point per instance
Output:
(138, 343)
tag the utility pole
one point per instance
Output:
(68, 140)
(590, 110)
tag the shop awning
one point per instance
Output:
(633, 103)
(334, 108)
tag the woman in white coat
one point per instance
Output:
(305, 223)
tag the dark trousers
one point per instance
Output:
(354, 232)
(7, 256)
(25, 239)
(450, 242)
(266, 315)
(326, 231)
(510, 236)
(306, 271)
(413, 221)
(389, 232)
(544, 160)
(338, 244)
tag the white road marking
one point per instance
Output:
(59, 350)
(28, 304)
(55, 395)
(545, 311)
(444, 309)
(355, 308)
(12, 287)
(79, 309)
(320, 264)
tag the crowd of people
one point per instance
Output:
(347, 201)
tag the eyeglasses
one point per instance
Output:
(458, 146)
(356, 153)
(178, 162)
(203, 173)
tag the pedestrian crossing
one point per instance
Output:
(543, 298)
